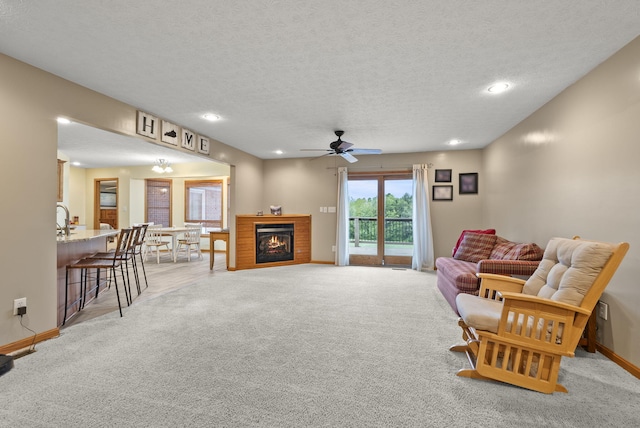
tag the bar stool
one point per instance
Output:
(125, 255)
(87, 264)
(138, 248)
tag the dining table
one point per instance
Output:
(173, 232)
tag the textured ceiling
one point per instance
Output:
(401, 76)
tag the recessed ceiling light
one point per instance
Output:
(211, 117)
(63, 120)
(497, 88)
(454, 142)
(75, 163)
(279, 152)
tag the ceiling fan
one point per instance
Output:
(343, 149)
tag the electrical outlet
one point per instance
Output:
(19, 303)
(603, 310)
(333, 248)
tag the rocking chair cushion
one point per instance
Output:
(478, 312)
(568, 269)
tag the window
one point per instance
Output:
(158, 201)
(203, 202)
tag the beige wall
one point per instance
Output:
(301, 186)
(572, 169)
(31, 101)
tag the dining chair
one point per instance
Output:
(191, 238)
(153, 241)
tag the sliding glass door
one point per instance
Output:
(380, 223)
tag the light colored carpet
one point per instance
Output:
(310, 345)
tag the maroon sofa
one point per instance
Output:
(483, 253)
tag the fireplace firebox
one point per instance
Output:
(274, 242)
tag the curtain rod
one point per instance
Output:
(390, 167)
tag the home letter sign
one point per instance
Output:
(147, 125)
(188, 139)
(203, 145)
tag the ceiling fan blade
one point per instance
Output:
(316, 150)
(344, 145)
(366, 151)
(348, 157)
(321, 156)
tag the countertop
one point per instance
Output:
(79, 235)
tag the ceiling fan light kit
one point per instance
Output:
(344, 149)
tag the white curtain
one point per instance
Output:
(422, 237)
(342, 231)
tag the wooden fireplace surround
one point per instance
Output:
(246, 239)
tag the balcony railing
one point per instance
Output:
(365, 230)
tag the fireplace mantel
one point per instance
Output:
(246, 239)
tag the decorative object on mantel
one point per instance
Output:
(276, 209)
(468, 183)
(170, 133)
(259, 213)
(147, 125)
(162, 166)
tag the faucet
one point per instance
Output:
(67, 223)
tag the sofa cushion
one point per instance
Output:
(507, 250)
(568, 270)
(501, 248)
(475, 247)
(485, 231)
(461, 274)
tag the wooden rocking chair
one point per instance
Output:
(517, 331)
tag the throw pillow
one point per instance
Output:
(486, 231)
(475, 247)
(502, 249)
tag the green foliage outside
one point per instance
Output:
(395, 208)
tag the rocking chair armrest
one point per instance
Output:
(546, 302)
(493, 285)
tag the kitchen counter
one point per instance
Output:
(79, 235)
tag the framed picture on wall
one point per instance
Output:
(443, 176)
(442, 193)
(468, 183)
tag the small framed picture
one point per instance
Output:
(443, 176)
(442, 193)
(468, 183)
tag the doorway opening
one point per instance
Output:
(105, 203)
